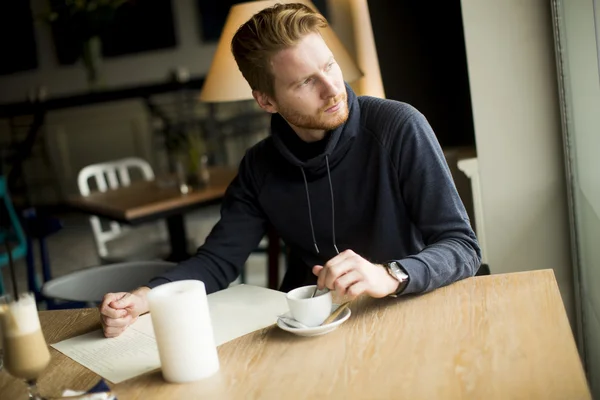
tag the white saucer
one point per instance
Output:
(317, 330)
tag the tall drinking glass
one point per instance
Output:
(25, 350)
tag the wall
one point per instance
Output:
(579, 43)
(512, 72)
(148, 67)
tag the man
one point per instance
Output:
(357, 187)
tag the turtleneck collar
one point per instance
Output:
(302, 150)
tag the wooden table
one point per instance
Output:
(145, 201)
(490, 337)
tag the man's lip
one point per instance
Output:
(334, 108)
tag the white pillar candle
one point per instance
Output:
(183, 330)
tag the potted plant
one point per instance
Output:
(191, 161)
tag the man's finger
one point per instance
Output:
(334, 268)
(333, 273)
(344, 282)
(124, 301)
(107, 299)
(113, 332)
(340, 258)
(108, 310)
(356, 290)
(317, 269)
(116, 322)
(112, 312)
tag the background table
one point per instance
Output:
(145, 201)
(491, 337)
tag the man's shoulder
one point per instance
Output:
(261, 148)
(386, 118)
(375, 108)
(257, 158)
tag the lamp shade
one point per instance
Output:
(225, 82)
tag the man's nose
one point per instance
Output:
(329, 88)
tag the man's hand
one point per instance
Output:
(119, 310)
(350, 274)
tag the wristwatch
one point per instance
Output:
(397, 272)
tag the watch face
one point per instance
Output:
(397, 270)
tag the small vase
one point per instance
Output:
(92, 59)
(199, 176)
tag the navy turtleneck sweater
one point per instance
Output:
(302, 150)
(378, 185)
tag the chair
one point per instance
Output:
(88, 286)
(38, 227)
(112, 175)
(272, 251)
(483, 270)
(13, 232)
(470, 167)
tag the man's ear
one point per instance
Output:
(264, 102)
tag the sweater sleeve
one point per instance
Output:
(451, 250)
(242, 224)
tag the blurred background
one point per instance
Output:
(76, 51)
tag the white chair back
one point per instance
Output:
(110, 175)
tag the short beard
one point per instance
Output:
(317, 122)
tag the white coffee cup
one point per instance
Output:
(311, 311)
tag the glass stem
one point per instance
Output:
(34, 394)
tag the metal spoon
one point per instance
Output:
(292, 322)
(315, 292)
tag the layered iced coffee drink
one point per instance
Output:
(26, 353)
